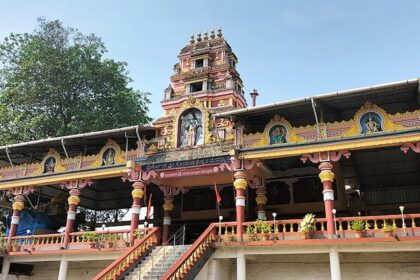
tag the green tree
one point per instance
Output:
(56, 81)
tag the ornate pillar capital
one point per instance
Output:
(331, 156)
(18, 204)
(240, 182)
(135, 173)
(326, 176)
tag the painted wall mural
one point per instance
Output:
(369, 119)
(110, 154)
(108, 157)
(278, 134)
(370, 122)
(49, 165)
(191, 128)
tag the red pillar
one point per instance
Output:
(17, 206)
(73, 201)
(168, 206)
(240, 186)
(327, 177)
(137, 194)
(261, 200)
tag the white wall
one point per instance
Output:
(76, 270)
(372, 266)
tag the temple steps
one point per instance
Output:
(157, 262)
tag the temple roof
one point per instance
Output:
(87, 142)
(400, 96)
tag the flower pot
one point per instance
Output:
(16, 248)
(251, 237)
(9, 248)
(306, 235)
(358, 234)
(389, 233)
(266, 237)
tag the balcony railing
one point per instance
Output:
(289, 229)
(111, 239)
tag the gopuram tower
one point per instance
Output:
(205, 81)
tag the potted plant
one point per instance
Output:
(109, 240)
(388, 229)
(16, 246)
(266, 230)
(307, 226)
(228, 236)
(250, 232)
(359, 227)
(92, 238)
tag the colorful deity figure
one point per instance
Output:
(278, 134)
(49, 165)
(371, 122)
(191, 129)
(108, 157)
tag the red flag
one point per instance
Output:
(218, 198)
(149, 207)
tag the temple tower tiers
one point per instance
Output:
(205, 72)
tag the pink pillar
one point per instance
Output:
(137, 194)
(327, 177)
(17, 206)
(240, 186)
(73, 201)
(74, 188)
(261, 200)
(168, 206)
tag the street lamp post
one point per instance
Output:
(402, 218)
(335, 223)
(220, 226)
(274, 222)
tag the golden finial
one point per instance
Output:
(199, 37)
(219, 32)
(206, 37)
(192, 41)
(212, 34)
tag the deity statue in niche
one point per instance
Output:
(49, 165)
(371, 122)
(108, 157)
(191, 129)
(278, 134)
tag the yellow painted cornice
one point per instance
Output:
(62, 177)
(364, 143)
(200, 57)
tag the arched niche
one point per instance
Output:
(190, 128)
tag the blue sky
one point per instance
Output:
(286, 49)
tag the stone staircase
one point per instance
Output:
(157, 262)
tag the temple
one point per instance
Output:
(322, 187)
